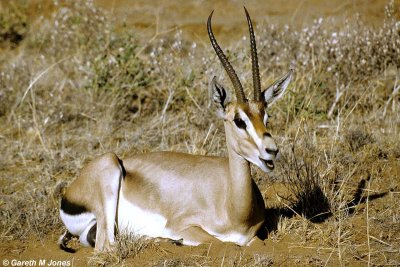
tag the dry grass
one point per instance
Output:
(127, 245)
(73, 87)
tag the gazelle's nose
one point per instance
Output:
(272, 151)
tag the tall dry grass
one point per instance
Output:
(73, 87)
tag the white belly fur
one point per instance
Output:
(133, 219)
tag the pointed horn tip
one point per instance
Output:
(247, 13)
(209, 22)
(212, 12)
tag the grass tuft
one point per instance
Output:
(309, 195)
(127, 245)
(13, 24)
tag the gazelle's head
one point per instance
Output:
(246, 121)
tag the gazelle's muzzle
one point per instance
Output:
(268, 153)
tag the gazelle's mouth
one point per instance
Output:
(269, 163)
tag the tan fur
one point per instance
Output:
(201, 197)
(85, 189)
(195, 198)
(190, 191)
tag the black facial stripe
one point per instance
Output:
(72, 208)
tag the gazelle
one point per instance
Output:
(187, 198)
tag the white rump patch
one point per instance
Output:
(77, 224)
(83, 237)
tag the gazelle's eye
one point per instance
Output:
(240, 123)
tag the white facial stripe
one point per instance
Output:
(244, 117)
(250, 128)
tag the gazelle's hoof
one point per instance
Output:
(69, 242)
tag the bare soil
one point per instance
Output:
(285, 249)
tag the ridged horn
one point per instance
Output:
(254, 59)
(225, 63)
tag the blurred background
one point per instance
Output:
(190, 16)
(229, 19)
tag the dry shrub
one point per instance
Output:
(357, 138)
(263, 260)
(338, 68)
(190, 260)
(127, 245)
(349, 54)
(310, 193)
(49, 96)
(13, 23)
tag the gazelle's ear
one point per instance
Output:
(277, 89)
(218, 94)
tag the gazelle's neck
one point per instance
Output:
(240, 192)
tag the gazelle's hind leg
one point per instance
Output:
(64, 240)
(78, 220)
(91, 236)
(89, 205)
(110, 176)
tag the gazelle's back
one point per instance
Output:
(190, 198)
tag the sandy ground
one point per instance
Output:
(283, 252)
(229, 19)
(162, 254)
(163, 17)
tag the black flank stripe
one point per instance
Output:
(122, 166)
(72, 208)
